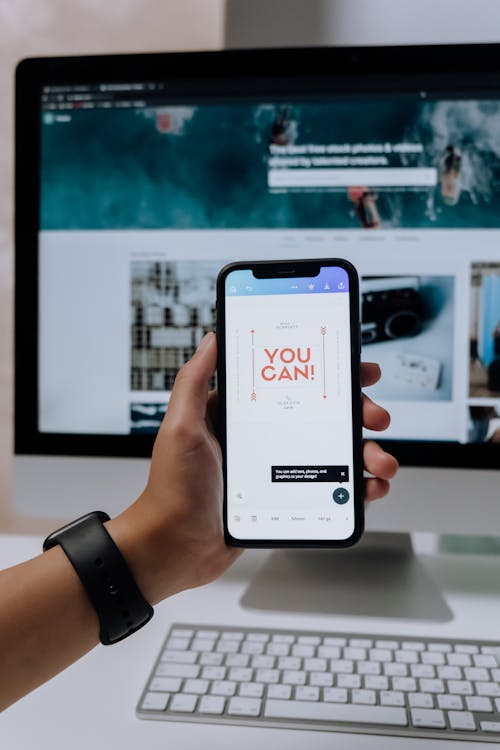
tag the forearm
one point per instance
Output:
(46, 623)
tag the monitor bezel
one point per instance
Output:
(227, 73)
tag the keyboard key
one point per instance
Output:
(490, 726)
(183, 703)
(484, 660)
(460, 687)
(302, 651)
(335, 712)
(321, 679)
(165, 684)
(376, 682)
(429, 718)
(289, 662)
(155, 701)
(462, 720)
(278, 649)
(479, 703)
(223, 687)
(238, 674)
(201, 644)
(392, 698)
(349, 680)
(181, 633)
(329, 652)
(413, 646)
(199, 687)
(307, 693)
(283, 638)
(447, 701)
(179, 657)
(252, 647)
(216, 673)
(267, 675)
(354, 653)
(367, 697)
(497, 704)
(294, 677)
(264, 662)
(390, 645)
(334, 642)
(283, 692)
(309, 640)
(488, 688)
(177, 670)
(212, 704)
(442, 648)
(361, 642)
(431, 686)
(236, 660)
(420, 700)
(178, 644)
(404, 683)
(458, 660)
(466, 648)
(245, 706)
(315, 665)
(335, 695)
(477, 673)
(368, 667)
(426, 670)
(211, 635)
(450, 673)
(380, 654)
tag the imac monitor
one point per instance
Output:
(139, 176)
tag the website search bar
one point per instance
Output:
(371, 177)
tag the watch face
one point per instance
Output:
(53, 538)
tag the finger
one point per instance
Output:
(190, 391)
(376, 488)
(375, 417)
(378, 462)
(212, 407)
(370, 374)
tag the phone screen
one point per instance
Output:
(290, 462)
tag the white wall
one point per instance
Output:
(256, 23)
(71, 27)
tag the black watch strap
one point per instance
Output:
(107, 579)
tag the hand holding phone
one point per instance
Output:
(290, 403)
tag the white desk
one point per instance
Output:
(92, 704)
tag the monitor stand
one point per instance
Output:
(379, 577)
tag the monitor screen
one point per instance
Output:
(148, 185)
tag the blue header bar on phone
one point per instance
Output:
(330, 280)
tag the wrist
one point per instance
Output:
(137, 537)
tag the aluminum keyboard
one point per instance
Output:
(345, 682)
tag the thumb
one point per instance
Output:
(190, 392)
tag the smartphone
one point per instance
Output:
(290, 424)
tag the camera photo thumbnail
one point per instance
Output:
(407, 327)
(484, 365)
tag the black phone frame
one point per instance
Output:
(308, 268)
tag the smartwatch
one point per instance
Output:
(105, 575)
